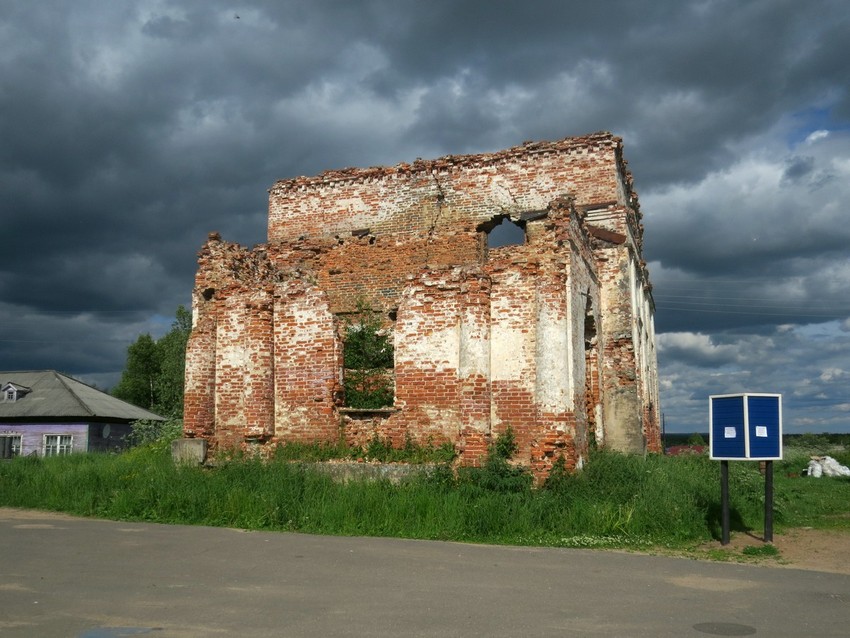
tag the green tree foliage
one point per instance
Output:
(171, 350)
(153, 376)
(368, 359)
(140, 373)
(696, 439)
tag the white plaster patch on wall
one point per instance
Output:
(504, 199)
(289, 417)
(512, 351)
(474, 351)
(511, 358)
(553, 359)
(439, 349)
(231, 350)
(308, 328)
(447, 419)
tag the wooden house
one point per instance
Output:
(47, 413)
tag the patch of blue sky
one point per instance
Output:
(159, 325)
(825, 331)
(813, 122)
(507, 233)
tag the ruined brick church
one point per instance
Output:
(504, 289)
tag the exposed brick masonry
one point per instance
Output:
(553, 337)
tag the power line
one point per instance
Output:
(739, 298)
(826, 314)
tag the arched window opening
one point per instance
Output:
(502, 231)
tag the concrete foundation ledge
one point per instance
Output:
(344, 471)
(189, 451)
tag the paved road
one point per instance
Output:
(62, 576)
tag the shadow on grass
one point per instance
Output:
(714, 521)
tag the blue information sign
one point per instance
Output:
(745, 427)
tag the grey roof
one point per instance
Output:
(55, 395)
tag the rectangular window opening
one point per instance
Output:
(369, 359)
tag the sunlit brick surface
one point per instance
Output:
(552, 337)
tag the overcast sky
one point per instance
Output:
(130, 130)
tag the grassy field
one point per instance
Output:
(617, 501)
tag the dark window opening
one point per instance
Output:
(589, 332)
(10, 446)
(502, 231)
(591, 371)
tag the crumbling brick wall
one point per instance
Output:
(552, 336)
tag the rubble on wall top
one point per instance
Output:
(354, 174)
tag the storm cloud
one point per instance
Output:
(131, 130)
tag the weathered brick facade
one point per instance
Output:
(552, 336)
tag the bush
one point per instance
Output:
(160, 433)
(498, 474)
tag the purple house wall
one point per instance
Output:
(47, 413)
(40, 439)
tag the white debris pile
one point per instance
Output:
(826, 466)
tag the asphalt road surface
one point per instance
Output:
(70, 577)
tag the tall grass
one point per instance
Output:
(617, 500)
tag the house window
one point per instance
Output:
(10, 445)
(10, 395)
(58, 444)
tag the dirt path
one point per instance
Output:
(799, 548)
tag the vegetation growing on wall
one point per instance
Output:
(368, 359)
(376, 450)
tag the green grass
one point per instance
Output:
(376, 449)
(760, 550)
(617, 501)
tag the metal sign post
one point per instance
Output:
(724, 502)
(768, 501)
(745, 427)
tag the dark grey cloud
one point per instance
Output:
(131, 130)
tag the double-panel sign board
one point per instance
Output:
(745, 427)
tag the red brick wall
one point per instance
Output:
(244, 398)
(484, 338)
(413, 198)
(199, 395)
(308, 364)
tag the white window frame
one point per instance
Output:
(16, 449)
(11, 394)
(57, 444)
